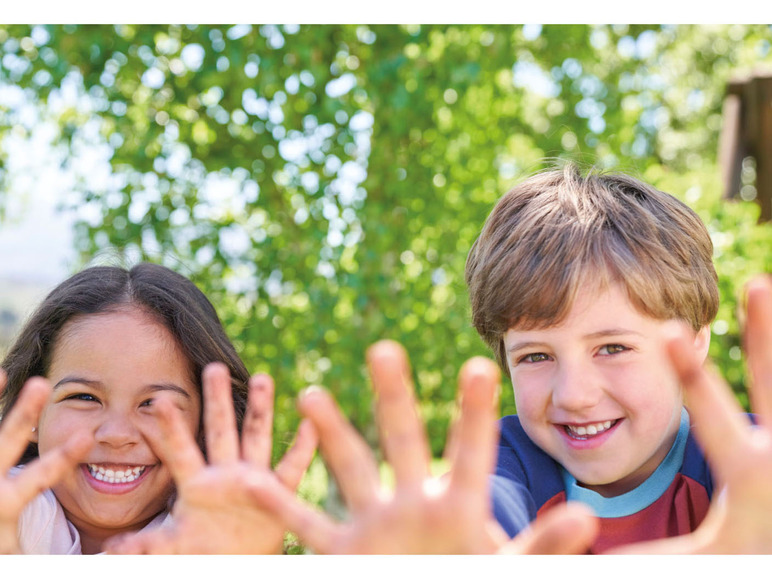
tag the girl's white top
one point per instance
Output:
(44, 530)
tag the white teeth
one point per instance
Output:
(589, 429)
(111, 476)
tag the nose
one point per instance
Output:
(116, 429)
(575, 388)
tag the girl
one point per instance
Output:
(116, 345)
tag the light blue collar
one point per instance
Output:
(641, 496)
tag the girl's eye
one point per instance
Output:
(146, 403)
(82, 396)
(533, 358)
(610, 349)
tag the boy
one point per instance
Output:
(600, 408)
(571, 282)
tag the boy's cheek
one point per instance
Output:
(528, 413)
(529, 391)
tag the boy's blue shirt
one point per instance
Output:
(672, 501)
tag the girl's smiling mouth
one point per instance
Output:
(114, 478)
(115, 475)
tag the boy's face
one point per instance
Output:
(596, 392)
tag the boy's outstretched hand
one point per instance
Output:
(16, 491)
(740, 517)
(214, 511)
(422, 514)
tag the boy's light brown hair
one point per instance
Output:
(559, 231)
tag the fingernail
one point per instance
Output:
(311, 391)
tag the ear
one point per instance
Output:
(33, 437)
(702, 342)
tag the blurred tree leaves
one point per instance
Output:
(323, 184)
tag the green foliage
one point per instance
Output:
(741, 250)
(323, 184)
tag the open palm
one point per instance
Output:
(17, 490)
(740, 454)
(214, 511)
(421, 514)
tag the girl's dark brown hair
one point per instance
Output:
(172, 299)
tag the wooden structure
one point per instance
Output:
(747, 132)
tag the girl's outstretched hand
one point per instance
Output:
(422, 514)
(740, 516)
(17, 490)
(214, 511)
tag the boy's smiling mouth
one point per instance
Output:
(589, 430)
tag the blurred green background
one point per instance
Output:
(322, 184)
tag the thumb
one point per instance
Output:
(567, 529)
(141, 543)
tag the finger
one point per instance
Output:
(473, 455)
(346, 453)
(316, 529)
(258, 423)
(758, 345)
(16, 426)
(220, 432)
(697, 542)
(402, 433)
(295, 462)
(173, 443)
(716, 416)
(155, 542)
(123, 544)
(567, 529)
(41, 474)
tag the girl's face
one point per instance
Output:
(107, 371)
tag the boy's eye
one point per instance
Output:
(533, 358)
(610, 349)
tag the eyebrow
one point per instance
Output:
(609, 333)
(167, 386)
(76, 379)
(523, 345)
(160, 387)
